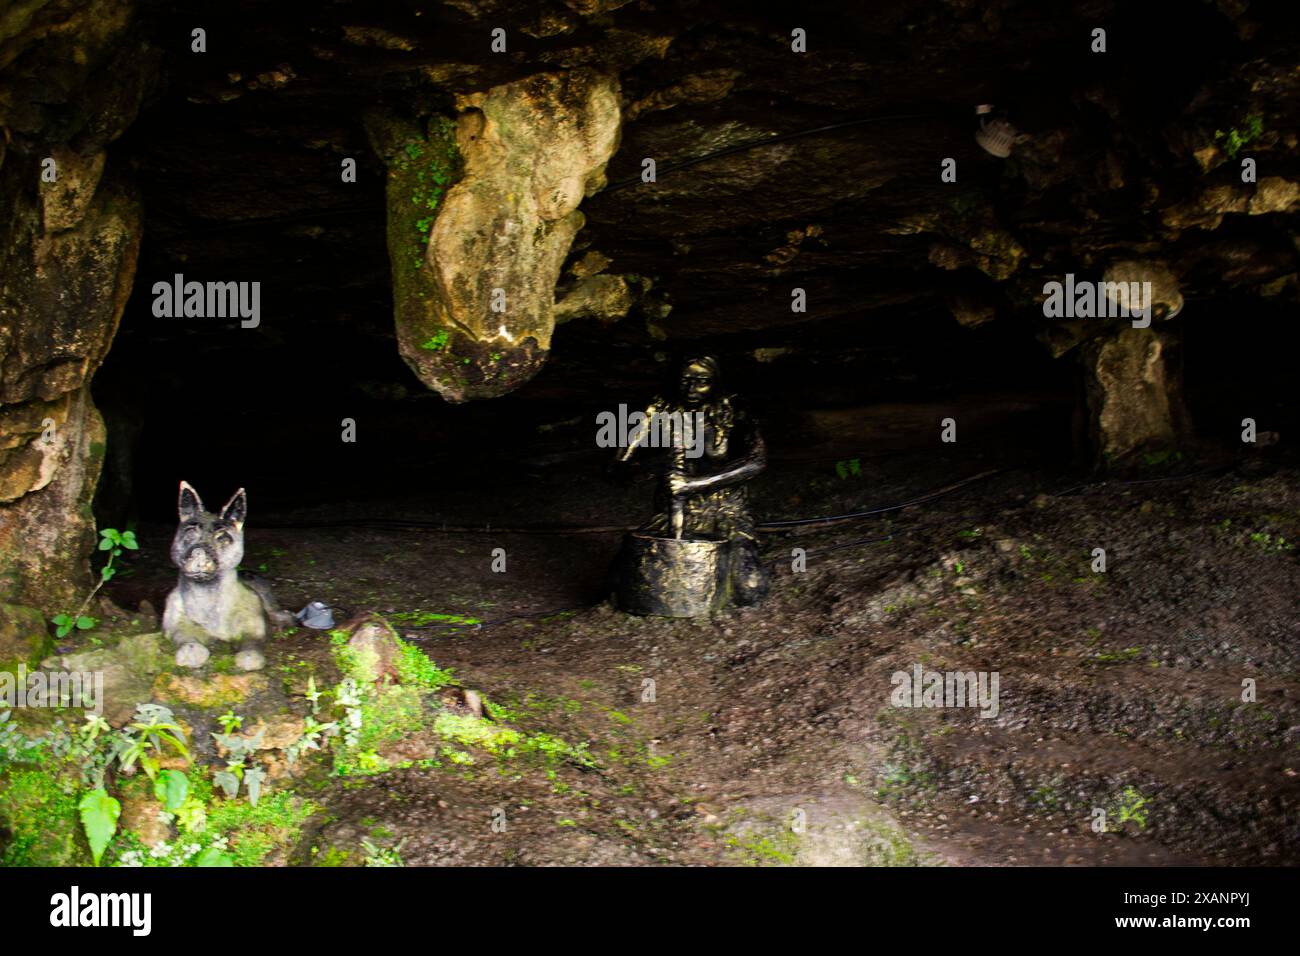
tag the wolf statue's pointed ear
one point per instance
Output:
(236, 509)
(190, 502)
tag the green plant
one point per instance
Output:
(214, 855)
(1267, 542)
(383, 856)
(313, 695)
(1132, 806)
(144, 738)
(114, 542)
(419, 618)
(192, 816)
(229, 722)
(83, 748)
(348, 696)
(172, 788)
(15, 746)
(310, 740)
(415, 668)
(437, 341)
(239, 750)
(1235, 140)
(851, 466)
(99, 813)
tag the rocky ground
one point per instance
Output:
(767, 735)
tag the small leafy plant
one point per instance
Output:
(348, 696)
(1234, 140)
(437, 341)
(229, 722)
(382, 856)
(312, 733)
(313, 695)
(237, 771)
(114, 542)
(172, 788)
(1133, 806)
(143, 739)
(99, 813)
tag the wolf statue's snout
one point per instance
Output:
(199, 563)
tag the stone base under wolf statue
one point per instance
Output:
(699, 553)
(210, 605)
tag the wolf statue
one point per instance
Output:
(210, 602)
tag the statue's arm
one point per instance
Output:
(752, 463)
(638, 437)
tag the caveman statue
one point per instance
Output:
(710, 448)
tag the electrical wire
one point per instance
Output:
(458, 627)
(1203, 473)
(835, 519)
(444, 528)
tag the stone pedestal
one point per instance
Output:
(669, 577)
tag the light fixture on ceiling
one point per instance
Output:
(995, 135)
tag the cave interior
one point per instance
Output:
(371, 491)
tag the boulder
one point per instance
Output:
(128, 671)
(373, 651)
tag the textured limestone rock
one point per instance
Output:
(991, 250)
(1166, 295)
(71, 81)
(374, 651)
(218, 690)
(1206, 211)
(970, 311)
(142, 815)
(47, 534)
(602, 297)
(1134, 394)
(68, 257)
(706, 87)
(128, 671)
(24, 636)
(475, 266)
(1274, 194)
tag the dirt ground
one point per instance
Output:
(767, 735)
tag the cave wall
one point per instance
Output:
(520, 171)
(74, 79)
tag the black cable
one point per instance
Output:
(424, 525)
(1204, 472)
(931, 496)
(815, 551)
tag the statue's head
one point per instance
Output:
(701, 380)
(207, 544)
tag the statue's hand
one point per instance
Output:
(679, 485)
